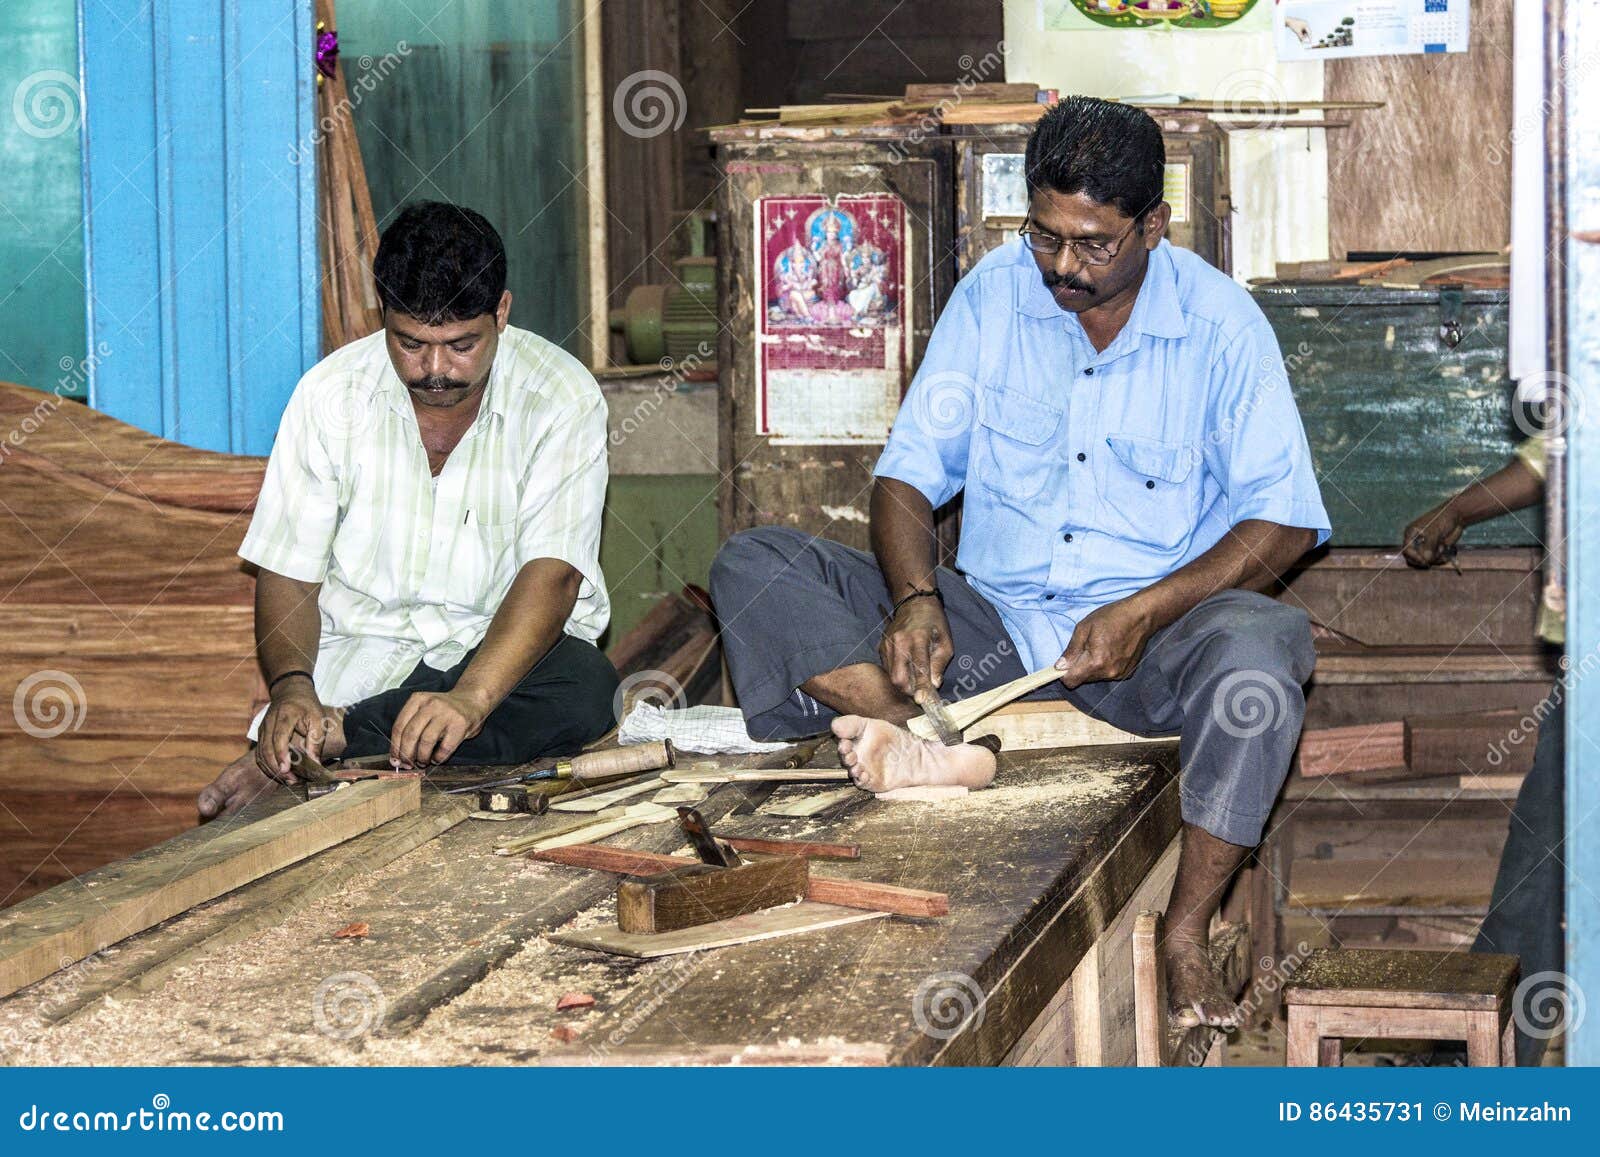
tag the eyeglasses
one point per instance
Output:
(1087, 252)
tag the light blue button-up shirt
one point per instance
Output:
(1089, 476)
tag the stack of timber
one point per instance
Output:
(127, 643)
(1421, 722)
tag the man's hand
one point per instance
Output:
(916, 646)
(1429, 539)
(432, 725)
(1107, 644)
(296, 718)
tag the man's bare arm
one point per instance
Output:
(529, 622)
(288, 631)
(1430, 537)
(916, 645)
(1108, 642)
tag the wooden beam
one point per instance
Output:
(75, 920)
(1361, 747)
(1464, 744)
(701, 894)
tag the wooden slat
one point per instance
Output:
(1361, 747)
(1380, 885)
(805, 916)
(75, 920)
(1490, 743)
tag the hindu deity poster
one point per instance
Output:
(831, 328)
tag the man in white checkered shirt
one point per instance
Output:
(427, 536)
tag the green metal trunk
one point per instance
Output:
(1405, 398)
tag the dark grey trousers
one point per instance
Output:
(564, 702)
(1226, 677)
(1528, 901)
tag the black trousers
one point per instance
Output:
(1527, 905)
(564, 702)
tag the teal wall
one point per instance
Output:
(41, 217)
(477, 102)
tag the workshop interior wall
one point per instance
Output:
(1279, 177)
(480, 102)
(42, 328)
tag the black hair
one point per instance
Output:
(1111, 151)
(438, 262)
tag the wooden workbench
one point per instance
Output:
(1040, 871)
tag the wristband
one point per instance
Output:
(917, 594)
(287, 675)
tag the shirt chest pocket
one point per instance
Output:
(482, 561)
(1017, 457)
(1153, 488)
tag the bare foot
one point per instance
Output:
(240, 783)
(882, 757)
(1195, 993)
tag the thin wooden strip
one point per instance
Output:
(805, 916)
(598, 827)
(756, 775)
(71, 921)
(810, 805)
(814, 849)
(605, 799)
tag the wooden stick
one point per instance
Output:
(71, 921)
(606, 823)
(811, 848)
(756, 775)
(965, 712)
(605, 799)
(863, 894)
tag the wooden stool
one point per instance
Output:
(1375, 992)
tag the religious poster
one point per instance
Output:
(832, 359)
(1083, 15)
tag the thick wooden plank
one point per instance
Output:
(1383, 885)
(1493, 743)
(806, 916)
(1362, 747)
(74, 920)
(702, 894)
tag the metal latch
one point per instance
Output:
(1450, 316)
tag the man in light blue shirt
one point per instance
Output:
(1117, 415)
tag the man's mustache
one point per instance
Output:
(1060, 280)
(437, 382)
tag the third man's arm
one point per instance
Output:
(916, 645)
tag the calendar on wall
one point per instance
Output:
(1324, 29)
